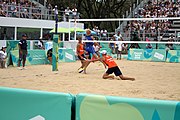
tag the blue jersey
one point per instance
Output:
(89, 44)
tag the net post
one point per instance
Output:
(55, 44)
(55, 53)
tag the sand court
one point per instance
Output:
(154, 80)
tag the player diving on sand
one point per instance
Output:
(112, 68)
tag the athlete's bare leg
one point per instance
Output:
(88, 62)
(107, 76)
(126, 78)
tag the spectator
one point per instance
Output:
(13, 9)
(3, 57)
(118, 46)
(40, 43)
(97, 48)
(149, 46)
(112, 45)
(36, 13)
(22, 51)
(49, 55)
(74, 11)
(119, 50)
(24, 13)
(125, 47)
(171, 37)
(50, 8)
(151, 10)
(169, 46)
(67, 13)
(2, 13)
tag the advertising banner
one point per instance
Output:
(21, 104)
(66, 55)
(147, 54)
(13, 45)
(173, 56)
(34, 57)
(98, 107)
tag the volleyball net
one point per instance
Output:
(146, 34)
(158, 31)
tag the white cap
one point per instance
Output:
(103, 52)
(4, 47)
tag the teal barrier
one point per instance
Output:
(147, 54)
(38, 57)
(163, 46)
(176, 46)
(34, 57)
(19, 104)
(104, 45)
(98, 107)
(66, 55)
(173, 56)
(13, 45)
(143, 46)
(159, 46)
(107, 49)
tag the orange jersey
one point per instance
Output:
(109, 61)
(81, 48)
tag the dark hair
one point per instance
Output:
(24, 35)
(79, 38)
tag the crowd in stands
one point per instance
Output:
(33, 10)
(69, 14)
(23, 9)
(163, 8)
(102, 33)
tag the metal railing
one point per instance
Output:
(139, 36)
(32, 12)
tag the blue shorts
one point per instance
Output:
(90, 49)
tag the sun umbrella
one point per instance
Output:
(92, 32)
(77, 29)
(60, 30)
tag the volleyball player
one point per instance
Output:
(81, 56)
(112, 68)
(90, 49)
